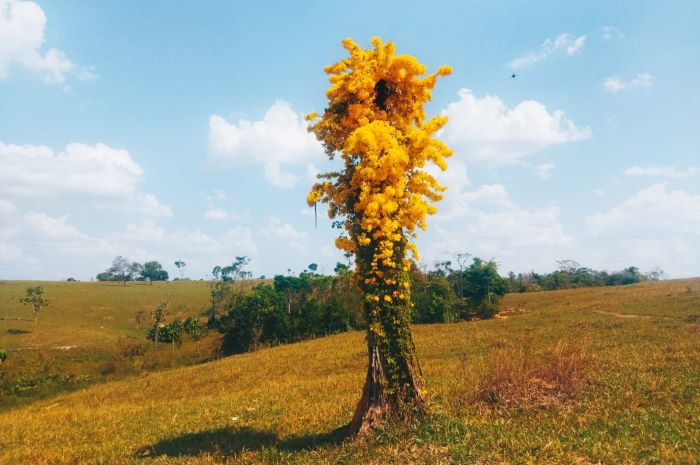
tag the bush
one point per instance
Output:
(260, 318)
(434, 300)
(486, 309)
(177, 331)
(125, 357)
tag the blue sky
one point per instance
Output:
(161, 130)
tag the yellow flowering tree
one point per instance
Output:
(375, 121)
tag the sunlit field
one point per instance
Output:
(603, 375)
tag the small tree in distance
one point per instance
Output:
(180, 266)
(123, 270)
(35, 299)
(153, 271)
(157, 317)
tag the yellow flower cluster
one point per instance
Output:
(376, 122)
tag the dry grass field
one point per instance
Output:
(588, 376)
(90, 314)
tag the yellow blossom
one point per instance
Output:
(376, 124)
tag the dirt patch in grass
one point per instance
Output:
(622, 315)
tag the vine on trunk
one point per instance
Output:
(375, 121)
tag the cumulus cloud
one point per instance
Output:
(22, 25)
(37, 171)
(35, 240)
(615, 84)
(487, 222)
(487, 130)
(280, 139)
(216, 214)
(651, 212)
(655, 226)
(490, 213)
(51, 228)
(144, 231)
(296, 239)
(99, 172)
(663, 171)
(566, 43)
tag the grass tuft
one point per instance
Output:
(516, 375)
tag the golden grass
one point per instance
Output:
(279, 404)
(91, 314)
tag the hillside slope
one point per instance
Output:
(638, 347)
(90, 314)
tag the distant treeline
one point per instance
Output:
(293, 308)
(570, 275)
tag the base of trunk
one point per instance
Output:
(375, 405)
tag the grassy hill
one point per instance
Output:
(605, 375)
(90, 314)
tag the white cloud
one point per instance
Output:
(239, 241)
(663, 171)
(486, 130)
(36, 171)
(147, 204)
(544, 170)
(611, 32)
(651, 212)
(490, 213)
(279, 139)
(655, 226)
(38, 245)
(277, 177)
(51, 228)
(22, 25)
(488, 223)
(98, 172)
(216, 214)
(563, 42)
(296, 239)
(615, 84)
(145, 231)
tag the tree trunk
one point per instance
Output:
(36, 317)
(391, 388)
(373, 405)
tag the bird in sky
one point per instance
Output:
(513, 76)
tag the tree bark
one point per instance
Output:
(391, 389)
(373, 405)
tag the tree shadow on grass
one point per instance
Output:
(232, 441)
